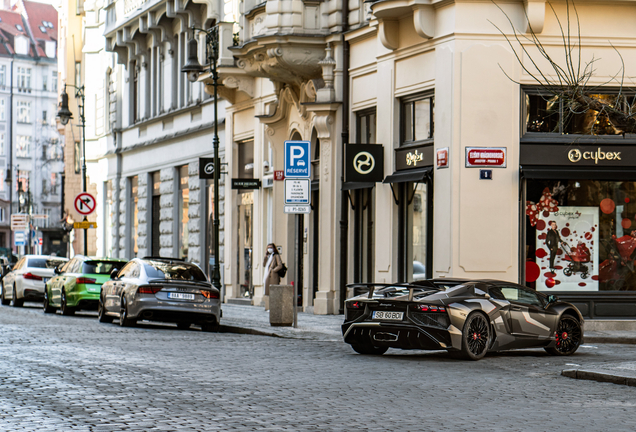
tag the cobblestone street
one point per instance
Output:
(74, 374)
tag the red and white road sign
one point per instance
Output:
(85, 203)
(494, 157)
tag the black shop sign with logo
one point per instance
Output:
(414, 157)
(573, 155)
(364, 163)
(206, 168)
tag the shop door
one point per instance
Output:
(315, 203)
(363, 238)
(245, 243)
(414, 231)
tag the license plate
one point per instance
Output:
(392, 316)
(181, 296)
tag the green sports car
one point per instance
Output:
(77, 284)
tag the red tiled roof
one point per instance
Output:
(42, 19)
(8, 22)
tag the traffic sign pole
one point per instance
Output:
(297, 200)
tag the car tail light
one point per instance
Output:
(355, 305)
(32, 276)
(210, 294)
(84, 280)
(429, 308)
(149, 289)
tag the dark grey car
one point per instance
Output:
(157, 289)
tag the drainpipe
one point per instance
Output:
(344, 205)
(9, 144)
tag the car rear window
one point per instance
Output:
(44, 263)
(174, 271)
(101, 267)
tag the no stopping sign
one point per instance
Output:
(85, 203)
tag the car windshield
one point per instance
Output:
(101, 267)
(174, 271)
(44, 263)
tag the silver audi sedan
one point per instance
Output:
(160, 289)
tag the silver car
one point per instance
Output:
(158, 289)
(27, 279)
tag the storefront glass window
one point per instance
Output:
(548, 114)
(184, 200)
(156, 213)
(580, 235)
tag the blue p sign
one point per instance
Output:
(297, 159)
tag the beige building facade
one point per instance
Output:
(430, 81)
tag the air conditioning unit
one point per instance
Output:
(268, 181)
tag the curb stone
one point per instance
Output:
(610, 340)
(601, 376)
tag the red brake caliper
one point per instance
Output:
(564, 336)
(475, 337)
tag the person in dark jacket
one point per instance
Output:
(552, 241)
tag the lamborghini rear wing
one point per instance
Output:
(371, 287)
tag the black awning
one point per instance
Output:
(315, 185)
(357, 185)
(580, 173)
(413, 175)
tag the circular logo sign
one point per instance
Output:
(209, 168)
(574, 155)
(363, 162)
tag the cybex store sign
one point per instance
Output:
(576, 155)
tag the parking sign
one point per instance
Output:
(297, 159)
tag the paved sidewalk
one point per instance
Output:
(255, 320)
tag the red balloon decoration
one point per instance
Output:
(608, 205)
(550, 283)
(626, 223)
(532, 271)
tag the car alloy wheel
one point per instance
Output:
(15, 301)
(124, 321)
(101, 313)
(66, 310)
(568, 336)
(45, 304)
(3, 300)
(475, 337)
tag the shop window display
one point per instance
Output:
(547, 113)
(580, 235)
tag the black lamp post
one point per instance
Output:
(193, 68)
(65, 115)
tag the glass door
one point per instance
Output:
(245, 207)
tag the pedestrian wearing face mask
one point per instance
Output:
(272, 263)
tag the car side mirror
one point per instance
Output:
(551, 299)
(114, 273)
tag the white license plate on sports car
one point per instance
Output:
(180, 296)
(393, 316)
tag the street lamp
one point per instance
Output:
(64, 114)
(193, 68)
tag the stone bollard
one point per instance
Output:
(281, 305)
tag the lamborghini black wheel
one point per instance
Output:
(368, 349)
(568, 336)
(475, 337)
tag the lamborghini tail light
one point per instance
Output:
(429, 308)
(355, 305)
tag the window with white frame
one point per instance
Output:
(3, 75)
(23, 146)
(2, 214)
(2, 151)
(2, 109)
(54, 81)
(24, 112)
(24, 78)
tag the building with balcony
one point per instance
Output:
(160, 125)
(31, 151)
(470, 145)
